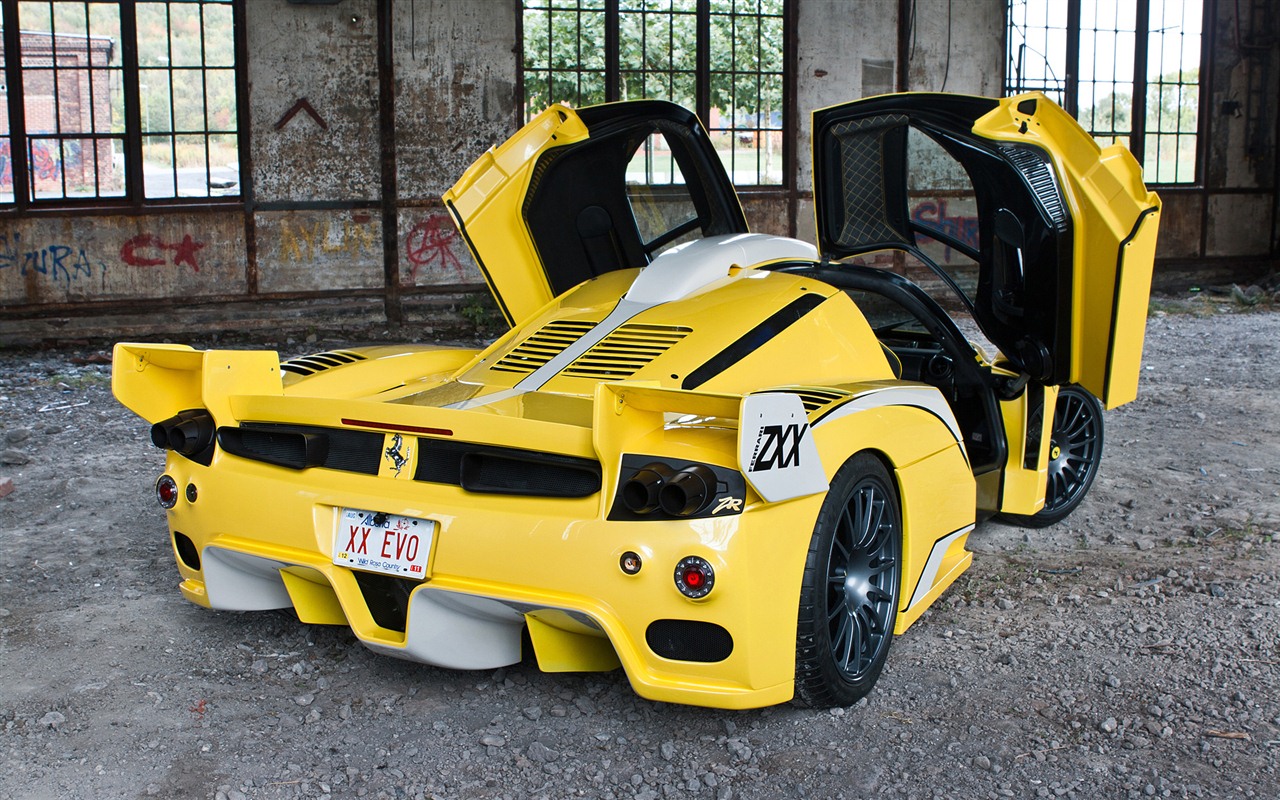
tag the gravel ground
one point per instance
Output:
(1130, 651)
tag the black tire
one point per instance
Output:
(849, 595)
(1075, 451)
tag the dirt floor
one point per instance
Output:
(1130, 651)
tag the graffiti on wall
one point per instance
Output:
(64, 263)
(149, 250)
(45, 164)
(305, 241)
(429, 246)
(933, 214)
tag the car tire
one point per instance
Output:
(1075, 451)
(849, 593)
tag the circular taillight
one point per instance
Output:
(694, 577)
(166, 491)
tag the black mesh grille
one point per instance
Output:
(503, 470)
(866, 208)
(349, 451)
(689, 640)
(276, 447)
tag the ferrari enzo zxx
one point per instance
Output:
(736, 465)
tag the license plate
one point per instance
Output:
(386, 543)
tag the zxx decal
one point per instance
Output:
(778, 447)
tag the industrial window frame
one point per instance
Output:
(1151, 132)
(131, 136)
(601, 75)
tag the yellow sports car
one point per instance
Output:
(735, 465)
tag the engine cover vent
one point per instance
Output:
(319, 362)
(813, 398)
(548, 342)
(625, 351)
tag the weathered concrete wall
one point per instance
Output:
(845, 49)
(957, 46)
(456, 72)
(432, 253)
(327, 56)
(312, 251)
(54, 260)
(1242, 104)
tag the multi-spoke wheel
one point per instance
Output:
(849, 596)
(1075, 450)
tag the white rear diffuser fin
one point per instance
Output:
(776, 451)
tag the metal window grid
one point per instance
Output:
(78, 123)
(629, 49)
(1121, 68)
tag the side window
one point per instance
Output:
(664, 211)
(944, 212)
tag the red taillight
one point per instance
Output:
(694, 577)
(166, 491)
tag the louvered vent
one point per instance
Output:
(549, 341)
(625, 351)
(1039, 175)
(319, 362)
(814, 399)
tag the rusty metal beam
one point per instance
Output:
(387, 142)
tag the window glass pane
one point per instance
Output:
(224, 165)
(563, 53)
(188, 99)
(220, 99)
(219, 43)
(942, 203)
(154, 98)
(746, 97)
(44, 163)
(653, 163)
(153, 35)
(192, 155)
(1037, 41)
(157, 167)
(185, 35)
(39, 104)
(104, 24)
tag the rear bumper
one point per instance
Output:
(500, 565)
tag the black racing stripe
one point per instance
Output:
(753, 339)
(1115, 298)
(493, 287)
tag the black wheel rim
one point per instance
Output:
(862, 580)
(1073, 449)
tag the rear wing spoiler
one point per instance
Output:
(776, 451)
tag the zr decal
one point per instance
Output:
(778, 447)
(733, 504)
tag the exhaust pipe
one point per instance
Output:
(188, 432)
(640, 493)
(689, 491)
